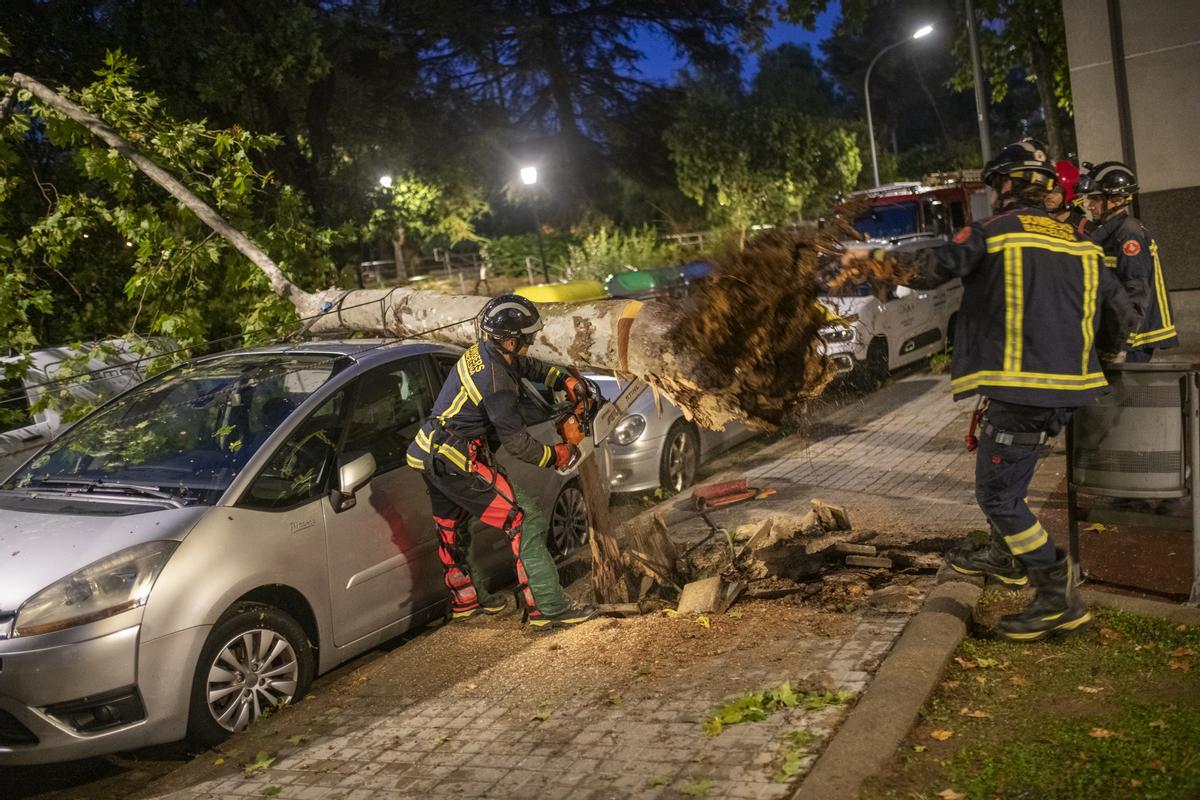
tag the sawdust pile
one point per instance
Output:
(756, 323)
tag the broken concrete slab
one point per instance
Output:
(702, 596)
(869, 562)
(852, 549)
(832, 518)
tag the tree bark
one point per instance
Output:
(1043, 70)
(101, 130)
(610, 581)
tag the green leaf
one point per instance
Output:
(271, 791)
(261, 761)
(697, 787)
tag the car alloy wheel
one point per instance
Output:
(569, 525)
(681, 456)
(255, 658)
(254, 671)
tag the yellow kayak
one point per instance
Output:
(570, 292)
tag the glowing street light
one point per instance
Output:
(924, 30)
(529, 178)
(385, 181)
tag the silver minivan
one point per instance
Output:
(196, 550)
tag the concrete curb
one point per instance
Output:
(1186, 615)
(887, 710)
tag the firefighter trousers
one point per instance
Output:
(1003, 473)
(486, 494)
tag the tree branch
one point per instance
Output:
(280, 283)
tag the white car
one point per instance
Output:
(881, 334)
(112, 369)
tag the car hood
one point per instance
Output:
(37, 549)
(845, 306)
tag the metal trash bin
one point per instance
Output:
(1140, 442)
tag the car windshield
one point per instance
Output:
(888, 221)
(186, 434)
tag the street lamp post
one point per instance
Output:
(529, 178)
(981, 112)
(919, 33)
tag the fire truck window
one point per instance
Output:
(937, 218)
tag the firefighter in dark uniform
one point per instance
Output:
(1036, 298)
(1132, 252)
(476, 411)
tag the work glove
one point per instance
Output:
(575, 388)
(565, 455)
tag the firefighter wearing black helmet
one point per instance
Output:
(1108, 189)
(1036, 304)
(475, 413)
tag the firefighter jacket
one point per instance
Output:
(1131, 251)
(1036, 298)
(478, 410)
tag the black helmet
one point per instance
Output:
(1110, 178)
(510, 316)
(1026, 160)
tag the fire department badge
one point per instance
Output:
(962, 235)
(1131, 248)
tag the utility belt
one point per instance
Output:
(1020, 439)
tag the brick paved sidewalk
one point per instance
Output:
(642, 745)
(895, 459)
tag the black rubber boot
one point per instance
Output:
(491, 604)
(994, 561)
(1056, 609)
(563, 619)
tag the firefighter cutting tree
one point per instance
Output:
(476, 412)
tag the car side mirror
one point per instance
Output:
(352, 476)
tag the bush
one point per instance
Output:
(508, 253)
(609, 251)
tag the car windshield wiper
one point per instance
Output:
(109, 486)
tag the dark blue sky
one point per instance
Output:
(661, 61)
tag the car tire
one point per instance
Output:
(874, 370)
(289, 656)
(680, 457)
(570, 524)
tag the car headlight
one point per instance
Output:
(629, 429)
(835, 334)
(109, 586)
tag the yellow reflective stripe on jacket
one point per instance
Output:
(456, 458)
(1150, 337)
(455, 406)
(1160, 286)
(552, 377)
(1091, 283)
(1014, 309)
(997, 243)
(468, 383)
(547, 455)
(1027, 540)
(1110, 262)
(423, 440)
(1028, 380)
(415, 462)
